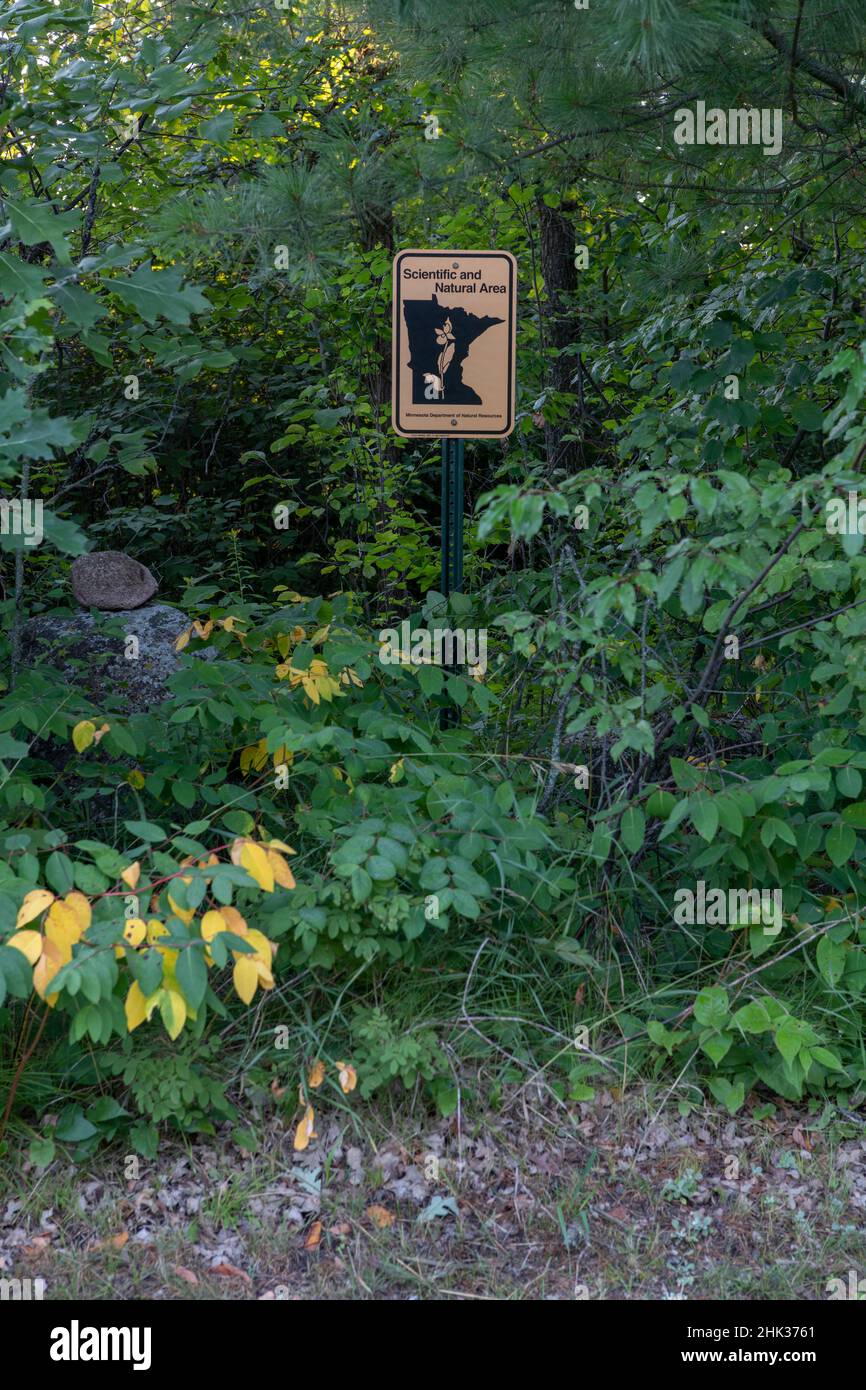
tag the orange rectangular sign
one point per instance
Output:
(453, 344)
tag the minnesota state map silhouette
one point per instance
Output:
(432, 327)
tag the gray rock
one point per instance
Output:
(95, 654)
(112, 581)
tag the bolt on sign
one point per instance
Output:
(453, 346)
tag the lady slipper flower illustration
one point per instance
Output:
(445, 339)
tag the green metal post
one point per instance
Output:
(452, 535)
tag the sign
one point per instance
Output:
(453, 345)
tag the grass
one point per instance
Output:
(609, 1199)
(515, 1192)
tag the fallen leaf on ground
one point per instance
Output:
(305, 1130)
(36, 1246)
(348, 1076)
(380, 1217)
(230, 1272)
(115, 1242)
(314, 1236)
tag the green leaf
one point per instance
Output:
(849, 781)
(840, 843)
(380, 869)
(184, 793)
(146, 968)
(33, 223)
(15, 973)
(430, 679)
(716, 1045)
(158, 294)
(831, 957)
(753, 1018)
(362, 885)
(59, 872)
(730, 816)
(17, 277)
(664, 1037)
(704, 815)
(146, 830)
(191, 972)
(632, 827)
(790, 1037)
(729, 1094)
(711, 1006)
(219, 128)
(41, 1152)
(466, 904)
(827, 1059)
(72, 1127)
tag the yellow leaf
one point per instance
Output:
(279, 844)
(131, 874)
(183, 639)
(396, 773)
(29, 943)
(135, 1007)
(81, 907)
(381, 1217)
(305, 1130)
(266, 979)
(255, 756)
(255, 860)
(212, 923)
(264, 949)
(203, 630)
(135, 778)
(63, 928)
(234, 919)
(135, 931)
(185, 914)
(156, 929)
(246, 978)
(34, 903)
(46, 968)
(348, 1076)
(83, 734)
(173, 1010)
(314, 1236)
(101, 732)
(280, 869)
(316, 1075)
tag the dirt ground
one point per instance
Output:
(609, 1199)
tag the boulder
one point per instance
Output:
(96, 653)
(111, 581)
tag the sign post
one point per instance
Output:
(453, 364)
(453, 367)
(452, 516)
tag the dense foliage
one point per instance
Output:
(198, 212)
